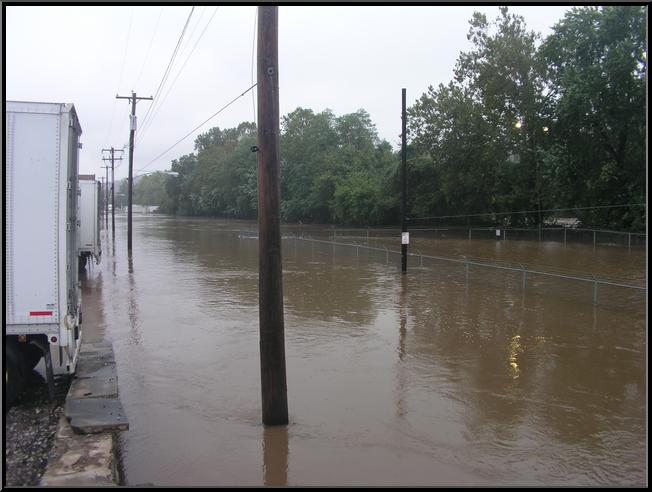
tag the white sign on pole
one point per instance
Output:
(132, 118)
(405, 238)
(497, 232)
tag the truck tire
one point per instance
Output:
(15, 375)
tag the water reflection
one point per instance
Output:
(391, 377)
(275, 455)
(133, 304)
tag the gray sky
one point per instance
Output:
(337, 57)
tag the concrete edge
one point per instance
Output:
(91, 458)
(82, 459)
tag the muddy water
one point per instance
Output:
(437, 377)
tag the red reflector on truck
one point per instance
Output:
(40, 313)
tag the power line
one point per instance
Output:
(155, 112)
(198, 126)
(167, 70)
(151, 41)
(526, 211)
(124, 58)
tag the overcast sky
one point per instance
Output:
(337, 57)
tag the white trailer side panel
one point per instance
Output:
(89, 217)
(32, 239)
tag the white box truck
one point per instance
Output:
(89, 220)
(42, 296)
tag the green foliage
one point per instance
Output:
(524, 124)
(579, 100)
(597, 62)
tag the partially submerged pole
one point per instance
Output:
(270, 285)
(405, 238)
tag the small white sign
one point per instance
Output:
(498, 232)
(132, 121)
(405, 238)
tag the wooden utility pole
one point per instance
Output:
(132, 129)
(101, 197)
(405, 237)
(113, 159)
(106, 196)
(270, 285)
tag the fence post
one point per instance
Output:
(469, 233)
(504, 234)
(594, 239)
(595, 290)
(629, 241)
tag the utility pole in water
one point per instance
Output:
(270, 285)
(113, 159)
(132, 129)
(405, 235)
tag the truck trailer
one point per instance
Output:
(42, 298)
(89, 220)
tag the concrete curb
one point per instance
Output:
(86, 451)
(82, 459)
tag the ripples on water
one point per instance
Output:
(432, 378)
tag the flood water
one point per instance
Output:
(436, 377)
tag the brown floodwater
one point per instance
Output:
(436, 377)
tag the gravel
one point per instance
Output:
(30, 428)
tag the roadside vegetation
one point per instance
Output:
(525, 124)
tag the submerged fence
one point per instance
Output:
(525, 271)
(565, 235)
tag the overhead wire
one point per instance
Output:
(171, 86)
(167, 70)
(124, 58)
(197, 127)
(151, 41)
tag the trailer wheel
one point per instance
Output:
(15, 375)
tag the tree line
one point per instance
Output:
(525, 125)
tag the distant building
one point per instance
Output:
(144, 209)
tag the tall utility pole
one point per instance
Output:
(113, 159)
(106, 196)
(270, 285)
(132, 130)
(405, 235)
(101, 197)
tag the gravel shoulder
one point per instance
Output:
(30, 429)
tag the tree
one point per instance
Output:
(483, 132)
(597, 64)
